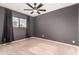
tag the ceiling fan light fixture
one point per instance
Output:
(35, 10)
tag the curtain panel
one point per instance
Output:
(7, 35)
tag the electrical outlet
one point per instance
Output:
(73, 42)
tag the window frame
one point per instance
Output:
(19, 22)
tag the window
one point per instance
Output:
(15, 22)
(22, 22)
(19, 22)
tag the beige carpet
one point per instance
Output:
(43, 49)
(37, 46)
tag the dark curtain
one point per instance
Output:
(28, 33)
(7, 35)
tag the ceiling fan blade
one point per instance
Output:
(32, 12)
(38, 12)
(28, 9)
(30, 5)
(39, 6)
(42, 10)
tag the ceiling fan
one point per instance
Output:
(35, 8)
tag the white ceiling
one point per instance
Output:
(48, 6)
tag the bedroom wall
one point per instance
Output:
(32, 22)
(59, 25)
(1, 21)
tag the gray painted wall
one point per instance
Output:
(1, 21)
(59, 25)
(32, 26)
